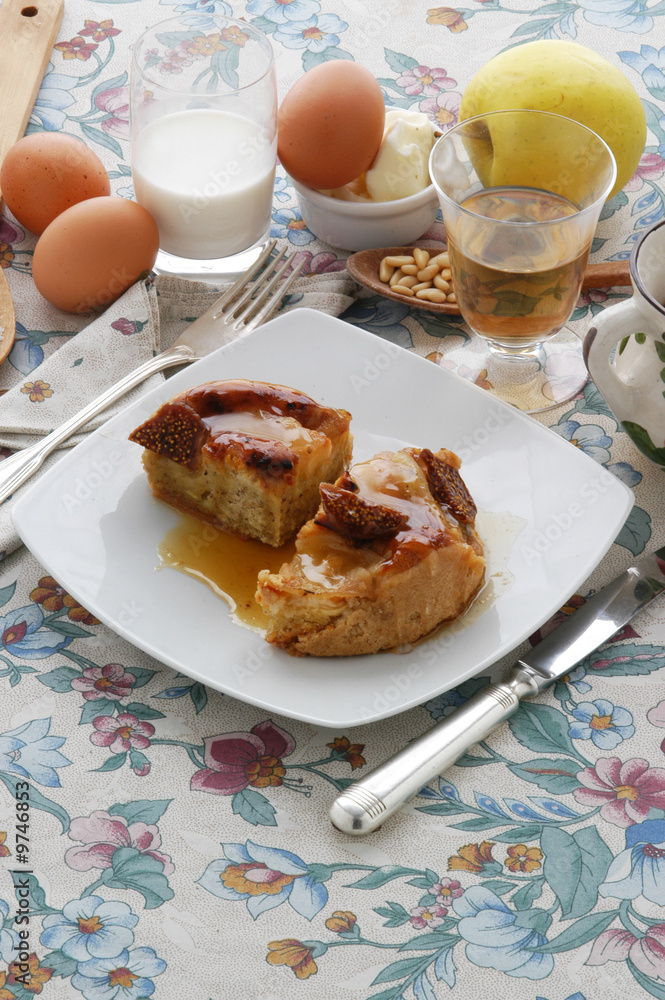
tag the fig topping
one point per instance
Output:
(356, 519)
(448, 487)
(174, 432)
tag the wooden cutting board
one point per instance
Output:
(27, 34)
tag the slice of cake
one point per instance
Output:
(391, 554)
(247, 457)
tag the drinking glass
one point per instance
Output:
(520, 194)
(204, 139)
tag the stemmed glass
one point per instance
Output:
(521, 193)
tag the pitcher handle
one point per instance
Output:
(610, 327)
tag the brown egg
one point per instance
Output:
(93, 252)
(47, 172)
(330, 124)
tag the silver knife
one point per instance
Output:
(367, 804)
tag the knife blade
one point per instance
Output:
(365, 805)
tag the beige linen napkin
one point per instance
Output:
(145, 320)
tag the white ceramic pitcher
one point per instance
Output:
(633, 380)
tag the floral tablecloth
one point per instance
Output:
(160, 839)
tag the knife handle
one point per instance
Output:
(367, 804)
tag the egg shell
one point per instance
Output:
(45, 173)
(330, 124)
(90, 254)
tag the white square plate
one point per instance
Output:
(93, 523)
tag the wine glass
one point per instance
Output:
(521, 193)
(204, 140)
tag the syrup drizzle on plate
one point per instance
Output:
(229, 565)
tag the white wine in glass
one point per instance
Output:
(520, 193)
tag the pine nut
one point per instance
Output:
(398, 260)
(421, 275)
(421, 257)
(385, 270)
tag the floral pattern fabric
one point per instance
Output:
(167, 841)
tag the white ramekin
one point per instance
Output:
(363, 225)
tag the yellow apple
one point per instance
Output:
(570, 80)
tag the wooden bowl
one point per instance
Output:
(364, 268)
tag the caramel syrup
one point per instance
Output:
(229, 565)
(499, 532)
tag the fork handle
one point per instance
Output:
(15, 470)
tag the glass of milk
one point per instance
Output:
(204, 140)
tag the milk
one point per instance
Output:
(206, 177)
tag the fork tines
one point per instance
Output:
(249, 302)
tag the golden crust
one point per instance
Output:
(247, 457)
(338, 597)
(184, 427)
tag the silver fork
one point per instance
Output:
(242, 307)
